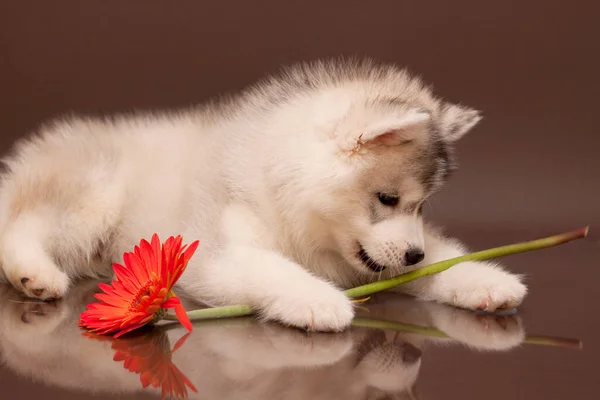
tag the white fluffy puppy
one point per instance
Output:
(309, 182)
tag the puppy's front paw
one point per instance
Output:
(321, 309)
(481, 286)
(47, 283)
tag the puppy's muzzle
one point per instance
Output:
(411, 257)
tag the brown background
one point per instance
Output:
(530, 66)
(531, 168)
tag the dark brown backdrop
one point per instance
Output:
(529, 169)
(529, 65)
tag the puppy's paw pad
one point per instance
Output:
(47, 285)
(485, 305)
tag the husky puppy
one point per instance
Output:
(309, 182)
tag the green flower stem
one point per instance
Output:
(433, 332)
(371, 288)
(437, 267)
(554, 341)
(398, 326)
(214, 313)
(233, 323)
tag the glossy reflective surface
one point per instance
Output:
(398, 348)
(529, 170)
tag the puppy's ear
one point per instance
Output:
(455, 121)
(395, 130)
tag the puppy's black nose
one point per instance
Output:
(414, 256)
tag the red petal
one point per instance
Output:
(148, 258)
(162, 292)
(106, 288)
(126, 276)
(146, 378)
(154, 256)
(116, 301)
(137, 267)
(152, 309)
(182, 262)
(172, 302)
(183, 317)
(189, 252)
(180, 342)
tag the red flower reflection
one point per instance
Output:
(149, 355)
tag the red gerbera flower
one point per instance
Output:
(143, 288)
(149, 355)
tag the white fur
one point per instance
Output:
(240, 358)
(279, 184)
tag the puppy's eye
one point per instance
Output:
(390, 200)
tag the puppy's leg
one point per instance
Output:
(277, 288)
(26, 263)
(472, 285)
(56, 227)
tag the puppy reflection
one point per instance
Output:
(242, 358)
(481, 332)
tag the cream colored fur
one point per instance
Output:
(279, 184)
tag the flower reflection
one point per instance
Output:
(149, 355)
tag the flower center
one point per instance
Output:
(146, 296)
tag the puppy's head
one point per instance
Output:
(372, 144)
(400, 155)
